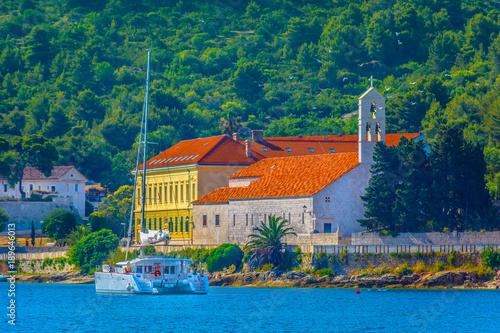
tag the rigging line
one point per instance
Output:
(135, 183)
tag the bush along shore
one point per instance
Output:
(321, 270)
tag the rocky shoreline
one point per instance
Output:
(461, 279)
(294, 279)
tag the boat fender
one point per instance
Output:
(357, 292)
(129, 287)
(127, 269)
(157, 272)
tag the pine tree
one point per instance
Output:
(459, 197)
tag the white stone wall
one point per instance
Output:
(210, 234)
(428, 238)
(23, 212)
(345, 205)
(256, 210)
(240, 182)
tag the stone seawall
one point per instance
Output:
(428, 238)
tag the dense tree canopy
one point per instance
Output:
(73, 71)
(59, 223)
(412, 191)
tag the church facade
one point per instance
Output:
(319, 195)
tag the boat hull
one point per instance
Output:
(118, 283)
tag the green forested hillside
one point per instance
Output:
(74, 71)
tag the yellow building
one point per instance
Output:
(180, 175)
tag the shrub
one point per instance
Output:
(451, 258)
(439, 266)
(267, 267)
(324, 272)
(491, 258)
(93, 249)
(343, 254)
(320, 255)
(224, 256)
(402, 270)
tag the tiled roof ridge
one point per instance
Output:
(218, 144)
(270, 160)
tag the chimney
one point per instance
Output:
(257, 135)
(236, 136)
(247, 148)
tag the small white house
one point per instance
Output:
(67, 183)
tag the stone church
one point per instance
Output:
(319, 195)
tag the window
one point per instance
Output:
(172, 269)
(155, 224)
(332, 150)
(204, 220)
(289, 218)
(288, 150)
(176, 193)
(76, 187)
(252, 219)
(159, 224)
(234, 220)
(171, 225)
(149, 223)
(327, 198)
(310, 150)
(165, 194)
(187, 223)
(182, 192)
(217, 221)
(176, 224)
(166, 270)
(31, 187)
(149, 201)
(264, 148)
(303, 217)
(138, 269)
(247, 220)
(154, 196)
(192, 193)
(182, 223)
(159, 194)
(5, 186)
(171, 193)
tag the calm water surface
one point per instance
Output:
(77, 308)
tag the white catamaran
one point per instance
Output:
(148, 274)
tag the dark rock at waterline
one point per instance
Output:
(293, 275)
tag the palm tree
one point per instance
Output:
(77, 234)
(266, 245)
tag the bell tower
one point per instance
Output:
(371, 123)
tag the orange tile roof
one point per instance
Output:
(223, 150)
(300, 145)
(286, 177)
(213, 150)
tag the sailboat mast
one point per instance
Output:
(143, 190)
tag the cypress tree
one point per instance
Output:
(32, 233)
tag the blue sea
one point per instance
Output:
(77, 308)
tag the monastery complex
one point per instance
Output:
(210, 191)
